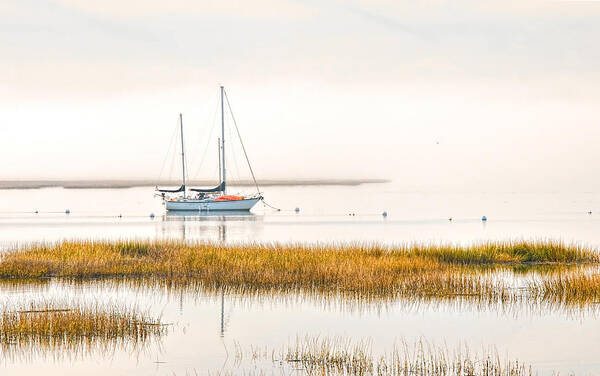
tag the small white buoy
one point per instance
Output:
(151, 215)
(384, 214)
(297, 210)
(484, 218)
(67, 211)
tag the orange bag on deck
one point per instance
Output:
(229, 198)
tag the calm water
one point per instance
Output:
(207, 326)
(324, 216)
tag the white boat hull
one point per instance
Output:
(210, 205)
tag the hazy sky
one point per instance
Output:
(476, 94)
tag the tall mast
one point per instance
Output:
(182, 153)
(219, 153)
(223, 141)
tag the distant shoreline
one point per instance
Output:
(116, 184)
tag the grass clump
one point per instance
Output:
(341, 356)
(52, 325)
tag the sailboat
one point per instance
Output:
(209, 199)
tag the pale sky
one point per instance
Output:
(438, 94)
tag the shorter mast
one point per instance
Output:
(182, 154)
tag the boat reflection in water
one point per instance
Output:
(241, 225)
(212, 226)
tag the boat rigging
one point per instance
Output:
(210, 199)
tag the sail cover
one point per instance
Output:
(180, 189)
(219, 188)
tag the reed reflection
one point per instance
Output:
(513, 302)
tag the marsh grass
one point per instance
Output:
(133, 258)
(195, 291)
(354, 270)
(343, 356)
(521, 252)
(45, 326)
(574, 289)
